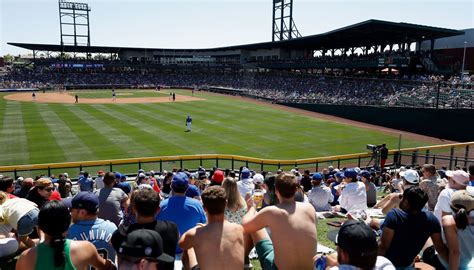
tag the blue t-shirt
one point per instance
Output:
(193, 191)
(411, 233)
(98, 232)
(85, 184)
(184, 211)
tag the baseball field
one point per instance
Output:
(53, 128)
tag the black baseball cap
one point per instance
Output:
(83, 200)
(356, 238)
(144, 243)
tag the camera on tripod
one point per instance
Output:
(373, 147)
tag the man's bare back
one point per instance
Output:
(217, 245)
(293, 233)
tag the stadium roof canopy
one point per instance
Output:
(371, 32)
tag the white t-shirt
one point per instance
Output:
(320, 197)
(99, 182)
(14, 209)
(354, 197)
(245, 186)
(444, 200)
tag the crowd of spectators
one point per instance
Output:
(415, 91)
(213, 219)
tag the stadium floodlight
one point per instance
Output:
(463, 59)
(284, 27)
(74, 23)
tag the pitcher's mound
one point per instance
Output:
(66, 98)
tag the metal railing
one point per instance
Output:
(448, 155)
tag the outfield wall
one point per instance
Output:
(450, 124)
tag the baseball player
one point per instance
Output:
(77, 98)
(113, 95)
(189, 122)
(33, 96)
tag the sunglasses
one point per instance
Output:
(48, 189)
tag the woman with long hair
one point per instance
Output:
(459, 231)
(57, 252)
(236, 206)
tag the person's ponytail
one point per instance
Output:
(462, 219)
(57, 244)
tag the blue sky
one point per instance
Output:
(207, 24)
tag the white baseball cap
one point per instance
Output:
(459, 176)
(411, 176)
(258, 178)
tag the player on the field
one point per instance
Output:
(113, 95)
(189, 122)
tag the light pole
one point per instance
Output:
(463, 59)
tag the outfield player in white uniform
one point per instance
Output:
(189, 122)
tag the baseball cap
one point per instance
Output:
(180, 180)
(459, 176)
(84, 200)
(340, 175)
(350, 173)
(463, 199)
(365, 174)
(245, 173)
(144, 186)
(141, 171)
(356, 238)
(317, 176)
(258, 178)
(100, 173)
(218, 176)
(143, 243)
(118, 175)
(411, 176)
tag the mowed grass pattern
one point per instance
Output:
(34, 133)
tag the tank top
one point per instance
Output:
(45, 257)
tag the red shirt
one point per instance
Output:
(155, 185)
(11, 196)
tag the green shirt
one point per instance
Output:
(45, 257)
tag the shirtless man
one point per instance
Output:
(292, 225)
(223, 239)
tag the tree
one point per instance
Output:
(8, 58)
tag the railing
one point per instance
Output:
(448, 155)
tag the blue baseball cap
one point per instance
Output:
(118, 175)
(84, 200)
(340, 175)
(365, 174)
(245, 173)
(350, 173)
(180, 180)
(317, 176)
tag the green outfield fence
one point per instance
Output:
(447, 155)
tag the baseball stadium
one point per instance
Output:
(378, 107)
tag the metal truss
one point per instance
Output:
(284, 27)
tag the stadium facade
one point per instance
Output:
(370, 46)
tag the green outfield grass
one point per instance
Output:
(45, 133)
(123, 93)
